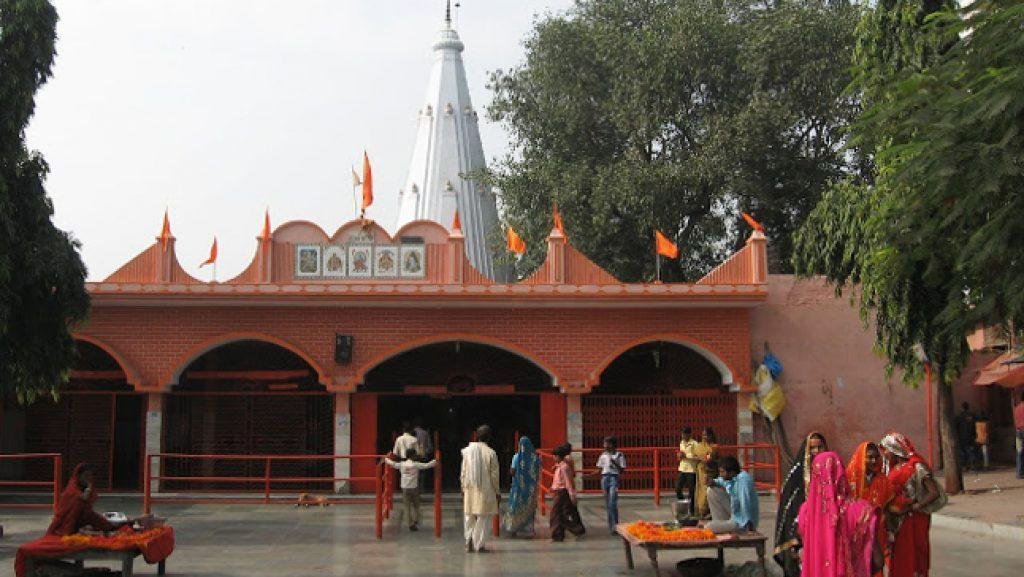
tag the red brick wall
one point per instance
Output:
(572, 344)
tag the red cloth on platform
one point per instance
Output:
(155, 545)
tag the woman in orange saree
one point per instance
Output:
(868, 482)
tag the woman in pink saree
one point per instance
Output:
(837, 530)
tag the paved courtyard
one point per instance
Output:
(259, 541)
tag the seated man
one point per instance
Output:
(74, 510)
(743, 505)
(718, 499)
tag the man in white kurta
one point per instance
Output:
(479, 488)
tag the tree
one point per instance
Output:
(636, 115)
(42, 278)
(871, 234)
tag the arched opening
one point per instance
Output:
(652, 390)
(97, 418)
(249, 397)
(452, 387)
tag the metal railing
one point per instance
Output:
(383, 482)
(658, 471)
(54, 483)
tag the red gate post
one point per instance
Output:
(266, 482)
(657, 478)
(379, 513)
(58, 465)
(437, 493)
(778, 472)
(147, 505)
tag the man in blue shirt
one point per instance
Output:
(739, 486)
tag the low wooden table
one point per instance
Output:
(751, 540)
(127, 559)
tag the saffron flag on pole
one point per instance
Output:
(664, 246)
(213, 254)
(456, 222)
(515, 242)
(753, 223)
(367, 183)
(265, 235)
(556, 216)
(165, 232)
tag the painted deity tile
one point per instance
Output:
(335, 259)
(307, 260)
(360, 261)
(413, 261)
(385, 261)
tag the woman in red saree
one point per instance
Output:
(908, 517)
(836, 528)
(868, 482)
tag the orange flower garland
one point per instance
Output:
(648, 531)
(119, 540)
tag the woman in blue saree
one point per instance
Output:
(522, 499)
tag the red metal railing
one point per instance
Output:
(383, 482)
(664, 468)
(54, 484)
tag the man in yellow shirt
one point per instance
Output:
(688, 462)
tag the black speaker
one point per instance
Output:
(343, 349)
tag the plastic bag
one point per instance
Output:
(773, 403)
(773, 363)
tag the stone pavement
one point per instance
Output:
(992, 503)
(275, 540)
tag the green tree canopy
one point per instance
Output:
(636, 115)
(42, 278)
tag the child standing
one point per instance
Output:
(564, 514)
(410, 468)
(688, 461)
(611, 463)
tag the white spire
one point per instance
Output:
(448, 147)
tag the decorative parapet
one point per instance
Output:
(749, 265)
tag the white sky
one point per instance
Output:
(218, 109)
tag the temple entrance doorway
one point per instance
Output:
(454, 418)
(452, 387)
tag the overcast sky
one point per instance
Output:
(218, 109)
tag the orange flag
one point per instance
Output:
(165, 232)
(456, 223)
(515, 243)
(213, 254)
(556, 216)
(753, 223)
(664, 246)
(265, 235)
(367, 183)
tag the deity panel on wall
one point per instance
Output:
(385, 261)
(307, 260)
(413, 261)
(335, 258)
(360, 261)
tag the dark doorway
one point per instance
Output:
(128, 418)
(454, 418)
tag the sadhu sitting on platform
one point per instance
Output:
(74, 513)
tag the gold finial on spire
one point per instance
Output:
(448, 12)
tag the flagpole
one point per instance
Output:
(215, 270)
(657, 265)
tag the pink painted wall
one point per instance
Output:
(833, 380)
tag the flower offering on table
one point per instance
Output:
(648, 531)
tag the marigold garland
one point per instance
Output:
(648, 531)
(119, 540)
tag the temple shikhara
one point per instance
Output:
(330, 339)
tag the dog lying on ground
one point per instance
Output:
(307, 500)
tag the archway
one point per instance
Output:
(651, 390)
(97, 418)
(249, 397)
(452, 386)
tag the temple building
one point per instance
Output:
(329, 340)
